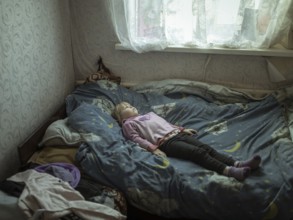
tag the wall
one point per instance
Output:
(93, 35)
(36, 70)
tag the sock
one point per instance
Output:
(253, 163)
(239, 173)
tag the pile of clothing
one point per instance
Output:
(50, 191)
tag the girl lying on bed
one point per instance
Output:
(158, 136)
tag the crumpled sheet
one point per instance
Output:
(52, 198)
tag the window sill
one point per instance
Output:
(272, 52)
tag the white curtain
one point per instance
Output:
(144, 25)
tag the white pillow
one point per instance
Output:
(58, 133)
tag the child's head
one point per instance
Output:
(123, 111)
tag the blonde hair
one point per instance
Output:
(118, 109)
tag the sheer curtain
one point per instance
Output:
(144, 25)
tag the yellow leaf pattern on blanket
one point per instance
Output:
(110, 125)
(235, 148)
(272, 212)
(165, 163)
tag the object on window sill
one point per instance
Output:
(103, 73)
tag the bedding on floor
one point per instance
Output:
(79, 197)
(235, 123)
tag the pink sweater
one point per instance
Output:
(147, 130)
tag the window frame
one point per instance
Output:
(275, 52)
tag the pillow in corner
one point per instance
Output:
(59, 134)
(88, 119)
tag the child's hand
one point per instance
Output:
(189, 131)
(159, 153)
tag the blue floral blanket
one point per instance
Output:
(231, 122)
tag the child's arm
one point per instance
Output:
(189, 131)
(131, 133)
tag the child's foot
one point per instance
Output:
(239, 173)
(253, 163)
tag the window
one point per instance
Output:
(144, 25)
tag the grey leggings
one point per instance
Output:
(187, 147)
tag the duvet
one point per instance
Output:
(232, 122)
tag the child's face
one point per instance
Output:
(127, 111)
